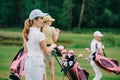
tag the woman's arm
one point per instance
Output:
(24, 46)
(56, 35)
(46, 49)
(100, 50)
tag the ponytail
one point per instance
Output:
(27, 25)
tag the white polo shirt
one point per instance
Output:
(33, 43)
(95, 45)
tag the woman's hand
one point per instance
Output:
(53, 45)
(58, 30)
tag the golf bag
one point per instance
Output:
(17, 65)
(70, 66)
(107, 64)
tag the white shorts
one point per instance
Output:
(49, 58)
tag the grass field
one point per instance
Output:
(77, 42)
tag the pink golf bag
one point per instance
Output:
(17, 65)
(107, 64)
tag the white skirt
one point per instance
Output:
(34, 68)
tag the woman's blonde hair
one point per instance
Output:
(27, 24)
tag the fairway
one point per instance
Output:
(7, 53)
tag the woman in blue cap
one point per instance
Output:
(35, 45)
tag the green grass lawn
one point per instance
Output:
(8, 52)
(77, 42)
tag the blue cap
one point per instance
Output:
(36, 13)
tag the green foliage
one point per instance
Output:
(66, 14)
(75, 30)
(109, 40)
(6, 13)
(97, 13)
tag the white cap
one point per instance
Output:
(36, 13)
(98, 33)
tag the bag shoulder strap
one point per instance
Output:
(102, 49)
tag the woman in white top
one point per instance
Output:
(35, 45)
(96, 46)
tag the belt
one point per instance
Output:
(48, 45)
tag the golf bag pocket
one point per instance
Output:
(15, 65)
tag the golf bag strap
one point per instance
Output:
(20, 51)
(102, 49)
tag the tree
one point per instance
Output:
(81, 15)
(97, 13)
(46, 4)
(7, 13)
(66, 15)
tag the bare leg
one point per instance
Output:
(44, 74)
(52, 73)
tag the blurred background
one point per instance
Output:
(77, 20)
(69, 14)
